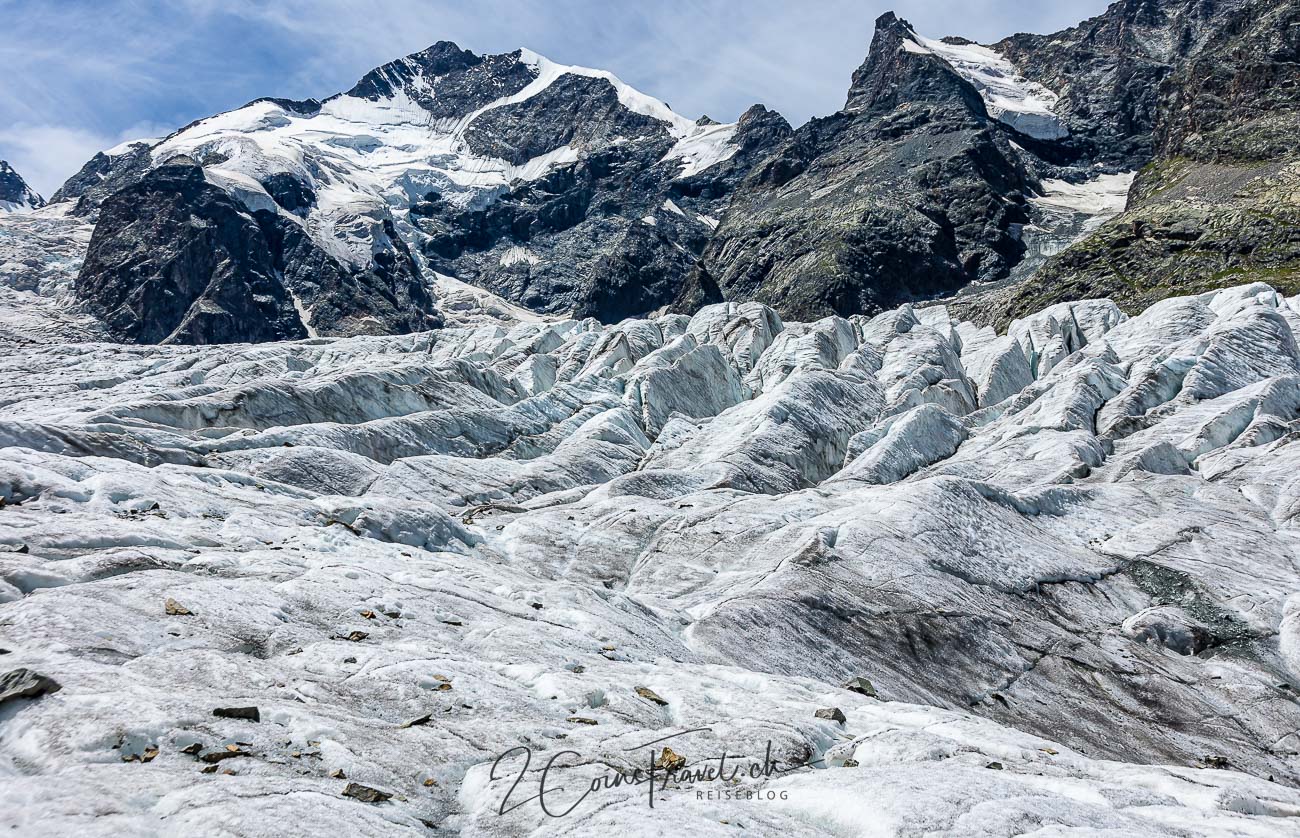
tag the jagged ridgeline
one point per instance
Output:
(994, 173)
(559, 188)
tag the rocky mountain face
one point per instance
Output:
(559, 188)
(953, 168)
(910, 191)
(610, 236)
(175, 259)
(1107, 73)
(15, 194)
(1198, 95)
(1218, 199)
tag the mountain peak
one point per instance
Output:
(439, 59)
(15, 194)
(897, 69)
(903, 66)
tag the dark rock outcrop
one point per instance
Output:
(908, 192)
(1236, 98)
(571, 110)
(1217, 205)
(15, 191)
(445, 80)
(175, 259)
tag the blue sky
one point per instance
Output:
(80, 76)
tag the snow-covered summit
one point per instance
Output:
(440, 163)
(15, 194)
(361, 154)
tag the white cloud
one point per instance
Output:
(46, 155)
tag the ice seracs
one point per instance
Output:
(1063, 556)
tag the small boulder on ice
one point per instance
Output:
(365, 794)
(834, 714)
(24, 683)
(669, 760)
(651, 696)
(861, 686)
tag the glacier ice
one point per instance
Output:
(1064, 556)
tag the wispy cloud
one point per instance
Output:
(80, 74)
(45, 155)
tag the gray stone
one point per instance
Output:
(834, 714)
(861, 686)
(24, 683)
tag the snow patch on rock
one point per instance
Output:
(1009, 97)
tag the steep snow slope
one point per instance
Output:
(1065, 557)
(15, 194)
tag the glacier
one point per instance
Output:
(1026, 106)
(1064, 557)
